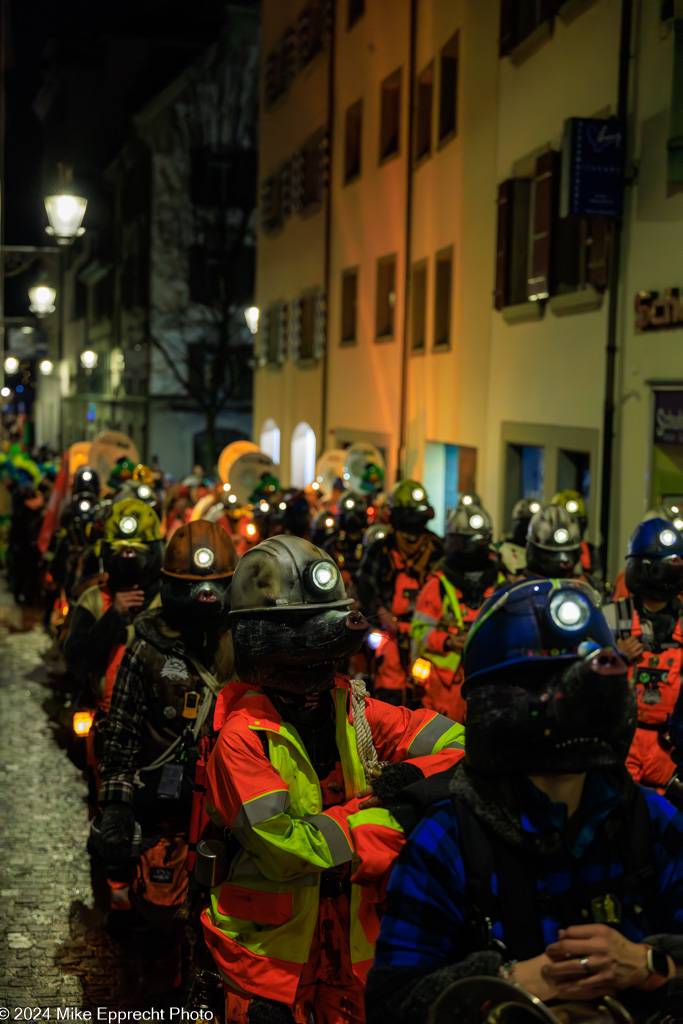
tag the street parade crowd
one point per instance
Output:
(344, 769)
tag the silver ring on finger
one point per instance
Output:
(584, 962)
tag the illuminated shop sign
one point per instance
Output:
(668, 417)
(655, 312)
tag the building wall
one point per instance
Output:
(291, 260)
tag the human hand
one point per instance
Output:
(368, 799)
(387, 621)
(631, 647)
(127, 601)
(529, 974)
(593, 960)
(455, 642)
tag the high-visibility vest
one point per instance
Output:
(258, 929)
(450, 607)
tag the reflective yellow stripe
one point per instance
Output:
(438, 733)
(261, 808)
(335, 837)
(374, 816)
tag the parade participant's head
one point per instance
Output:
(352, 514)
(410, 508)
(122, 470)
(80, 515)
(323, 527)
(140, 490)
(546, 690)
(290, 617)
(468, 538)
(654, 560)
(467, 499)
(131, 547)
(575, 503)
(86, 479)
(668, 508)
(376, 532)
(199, 565)
(553, 544)
(294, 513)
(524, 509)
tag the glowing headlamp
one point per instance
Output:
(418, 494)
(572, 506)
(203, 558)
(232, 499)
(467, 499)
(329, 522)
(87, 475)
(324, 575)
(534, 507)
(84, 506)
(264, 506)
(561, 536)
(144, 492)
(476, 521)
(374, 640)
(350, 503)
(128, 525)
(315, 486)
(282, 506)
(569, 611)
(380, 535)
(667, 538)
(675, 509)
(678, 523)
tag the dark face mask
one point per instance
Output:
(134, 566)
(194, 606)
(552, 718)
(409, 520)
(557, 564)
(520, 528)
(660, 579)
(464, 554)
(293, 652)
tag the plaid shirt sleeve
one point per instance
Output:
(373, 582)
(122, 729)
(424, 922)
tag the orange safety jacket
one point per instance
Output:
(657, 680)
(262, 786)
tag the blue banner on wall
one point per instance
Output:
(668, 417)
(592, 167)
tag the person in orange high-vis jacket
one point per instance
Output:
(298, 749)
(447, 606)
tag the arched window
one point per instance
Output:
(302, 468)
(269, 441)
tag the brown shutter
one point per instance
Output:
(501, 293)
(508, 25)
(543, 220)
(597, 246)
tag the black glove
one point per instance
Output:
(394, 778)
(112, 834)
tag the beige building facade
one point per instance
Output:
(466, 318)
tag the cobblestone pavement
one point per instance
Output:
(55, 949)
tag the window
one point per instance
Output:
(390, 117)
(419, 307)
(80, 300)
(222, 177)
(386, 297)
(269, 440)
(349, 306)
(309, 169)
(307, 326)
(512, 242)
(205, 275)
(448, 89)
(311, 31)
(276, 75)
(424, 91)
(302, 467)
(352, 141)
(544, 208)
(442, 298)
(520, 18)
(273, 329)
(355, 10)
(274, 199)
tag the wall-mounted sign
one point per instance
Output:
(655, 312)
(668, 417)
(592, 167)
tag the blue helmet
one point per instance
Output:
(532, 621)
(546, 691)
(654, 560)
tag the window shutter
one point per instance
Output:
(261, 344)
(282, 333)
(597, 243)
(320, 325)
(508, 26)
(295, 330)
(297, 181)
(501, 292)
(543, 220)
(324, 157)
(289, 50)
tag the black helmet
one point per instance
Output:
(410, 510)
(553, 545)
(468, 538)
(352, 513)
(522, 512)
(286, 574)
(654, 560)
(86, 479)
(323, 527)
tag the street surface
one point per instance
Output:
(55, 949)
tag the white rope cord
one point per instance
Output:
(366, 747)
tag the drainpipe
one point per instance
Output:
(328, 227)
(613, 286)
(403, 401)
